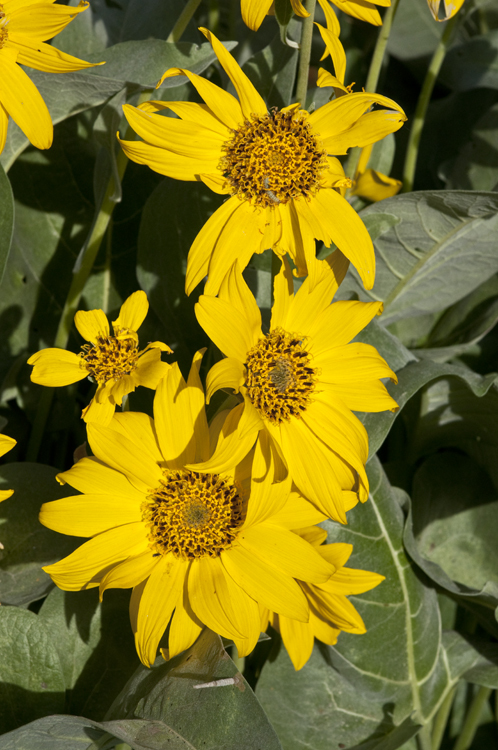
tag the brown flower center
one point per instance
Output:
(111, 357)
(273, 158)
(192, 515)
(3, 33)
(280, 379)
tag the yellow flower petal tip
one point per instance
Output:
(6, 445)
(289, 196)
(114, 362)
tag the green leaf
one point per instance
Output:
(6, 220)
(366, 686)
(415, 33)
(31, 677)
(475, 167)
(441, 247)
(472, 64)
(95, 645)
(27, 544)
(213, 717)
(273, 71)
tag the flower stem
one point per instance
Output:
(423, 738)
(423, 103)
(472, 719)
(183, 20)
(442, 719)
(374, 73)
(305, 53)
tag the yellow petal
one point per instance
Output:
(197, 408)
(227, 327)
(372, 127)
(335, 49)
(323, 630)
(330, 17)
(200, 114)
(4, 124)
(340, 323)
(361, 9)
(223, 105)
(6, 444)
(229, 373)
(209, 596)
(332, 219)
(245, 614)
(42, 21)
(99, 412)
(375, 186)
(250, 101)
(184, 630)
(87, 565)
(88, 515)
(91, 324)
(217, 183)
(337, 610)
(5, 494)
(92, 477)
(158, 600)
(254, 11)
(451, 7)
(348, 581)
(173, 420)
(41, 56)
(297, 513)
(298, 640)
(150, 369)
(235, 291)
(265, 584)
(370, 396)
(341, 114)
(133, 312)
(285, 551)
(354, 363)
(23, 102)
(140, 429)
(165, 162)
(56, 367)
(299, 9)
(283, 294)
(237, 437)
(130, 572)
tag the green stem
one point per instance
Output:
(472, 719)
(423, 738)
(423, 103)
(305, 53)
(442, 719)
(373, 74)
(183, 20)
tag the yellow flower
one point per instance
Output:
(205, 546)
(113, 362)
(301, 380)
(254, 11)
(24, 28)
(361, 9)
(6, 444)
(276, 166)
(373, 185)
(451, 8)
(330, 610)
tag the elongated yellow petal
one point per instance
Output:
(99, 412)
(42, 21)
(283, 294)
(337, 610)
(122, 454)
(266, 584)
(159, 598)
(298, 640)
(322, 630)
(150, 369)
(362, 10)
(4, 124)
(197, 408)
(297, 513)
(245, 614)
(23, 102)
(229, 373)
(184, 630)
(332, 219)
(91, 324)
(348, 581)
(340, 323)
(327, 79)
(198, 114)
(346, 436)
(250, 101)
(88, 515)
(254, 12)
(6, 444)
(166, 162)
(130, 572)
(372, 127)
(92, 477)
(370, 396)
(133, 312)
(85, 567)
(56, 367)
(226, 326)
(330, 17)
(209, 596)
(41, 56)
(299, 8)
(235, 291)
(354, 363)
(173, 420)
(5, 494)
(237, 437)
(225, 106)
(286, 551)
(335, 49)
(140, 429)
(375, 186)
(341, 114)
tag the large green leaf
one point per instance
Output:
(273, 71)
(27, 544)
(436, 248)
(6, 219)
(472, 64)
(475, 167)
(415, 33)
(31, 677)
(229, 716)
(369, 684)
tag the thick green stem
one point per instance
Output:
(442, 719)
(373, 74)
(423, 738)
(423, 103)
(472, 719)
(183, 20)
(305, 53)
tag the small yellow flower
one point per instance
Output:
(451, 8)
(24, 28)
(301, 381)
(254, 11)
(361, 9)
(278, 168)
(114, 362)
(6, 444)
(330, 610)
(198, 548)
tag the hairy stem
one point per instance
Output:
(305, 53)
(472, 719)
(185, 16)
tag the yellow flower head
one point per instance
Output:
(277, 167)
(24, 28)
(361, 9)
(451, 8)
(198, 548)
(254, 11)
(114, 361)
(6, 445)
(330, 610)
(300, 381)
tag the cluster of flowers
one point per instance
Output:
(215, 524)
